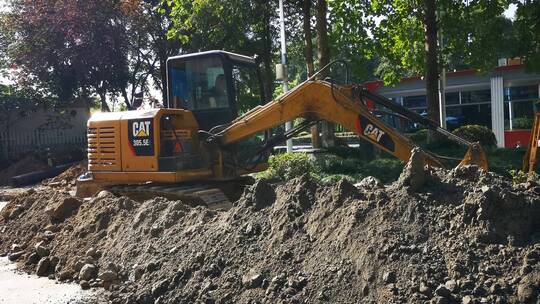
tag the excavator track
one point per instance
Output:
(215, 195)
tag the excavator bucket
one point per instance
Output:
(475, 156)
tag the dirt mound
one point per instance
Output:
(68, 177)
(25, 165)
(460, 236)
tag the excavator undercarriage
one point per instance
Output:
(199, 147)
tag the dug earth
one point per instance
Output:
(458, 236)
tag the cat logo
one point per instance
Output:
(373, 132)
(141, 128)
(141, 137)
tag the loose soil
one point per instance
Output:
(459, 236)
(68, 177)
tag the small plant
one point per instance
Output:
(287, 166)
(476, 133)
(518, 176)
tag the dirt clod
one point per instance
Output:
(43, 266)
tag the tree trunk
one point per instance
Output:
(126, 98)
(306, 12)
(163, 73)
(103, 99)
(324, 58)
(432, 74)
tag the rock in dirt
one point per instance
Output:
(43, 267)
(84, 284)
(88, 272)
(108, 276)
(41, 249)
(443, 291)
(63, 209)
(65, 275)
(414, 173)
(14, 256)
(16, 247)
(370, 183)
(260, 195)
(252, 280)
(32, 259)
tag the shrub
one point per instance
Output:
(476, 133)
(288, 165)
(522, 123)
(333, 164)
(419, 137)
(385, 169)
(518, 176)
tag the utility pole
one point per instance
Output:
(442, 84)
(288, 125)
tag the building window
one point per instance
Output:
(519, 106)
(521, 93)
(452, 98)
(415, 101)
(478, 114)
(478, 96)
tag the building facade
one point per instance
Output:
(503, 100)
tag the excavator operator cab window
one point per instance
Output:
(199, 84)
(216, 86)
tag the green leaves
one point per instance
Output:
(475, 35)
(528, 33)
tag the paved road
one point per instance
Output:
(20, 288)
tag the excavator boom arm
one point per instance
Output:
(320, 100)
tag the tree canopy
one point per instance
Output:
(117, 48)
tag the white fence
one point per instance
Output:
(16, 143)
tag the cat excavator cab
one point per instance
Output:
(215, 128)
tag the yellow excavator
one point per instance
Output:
(209, 134)
(531, 155)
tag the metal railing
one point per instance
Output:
(16, 143)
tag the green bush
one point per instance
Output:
(522, 123)
(519, 176)
(385, 169)
(287, 166)
(333, 164)
(419, 137)
(476, 133)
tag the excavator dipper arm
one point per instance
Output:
(321, 100)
